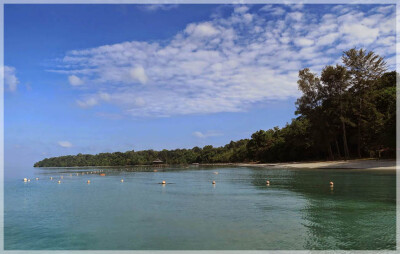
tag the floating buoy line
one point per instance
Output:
(163, 182)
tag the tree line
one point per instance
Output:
(348, 111)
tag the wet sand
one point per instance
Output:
(372, 164)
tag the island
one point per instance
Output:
(348, 111)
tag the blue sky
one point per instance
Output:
(104, 78)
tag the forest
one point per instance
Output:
(347, 111)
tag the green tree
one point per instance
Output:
(365, 69)
(335, 82)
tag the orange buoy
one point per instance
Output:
(213, 182)
(267, 182)
(163, 182)
(331, 184)
(102, 174)
(88, 181)
(155, 170)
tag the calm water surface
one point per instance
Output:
(298, 210)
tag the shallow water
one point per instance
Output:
(298, 210)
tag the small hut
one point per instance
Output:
(157, 162)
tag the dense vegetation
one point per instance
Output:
(347, 111)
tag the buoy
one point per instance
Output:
(59, 181)
(155, 170)
(77, 174)
(331, 184)
(163, 182)
(122, 180)
(102, 174)
(37, 178)
(51, 178)
(62, 177)
(88, 181)
(29, 180)
(25, 179)
(213, 182)
(267, 182)
(216, 173)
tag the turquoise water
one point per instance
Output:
(298, 210)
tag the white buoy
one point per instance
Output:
(51, 178)
(215, 173)
(25, 179)
(122, 180)
(62, 177)
(59, 181)
(267, 182)
(37, 178)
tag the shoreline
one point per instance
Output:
(366, 164)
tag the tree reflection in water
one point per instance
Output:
(359, 212)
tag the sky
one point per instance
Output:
(105, 78)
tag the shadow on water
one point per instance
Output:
(359, 212)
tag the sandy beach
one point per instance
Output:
(370, 164)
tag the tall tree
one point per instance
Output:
(310, 105)
(335, 82)
(365, 69)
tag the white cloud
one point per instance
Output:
(298, 6)
(199, 134)
(104, 96)
(65, 144)
(138, 73)
(241, 9)
(297, 16)
(225, 64)
(273, 10)
(205, 29)
(304, 42)
(360, 32)
(10, 79)
(327, 39)
(75, 80)
(94, 99)
(157, 7)
(386, 9)
(89, 102)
